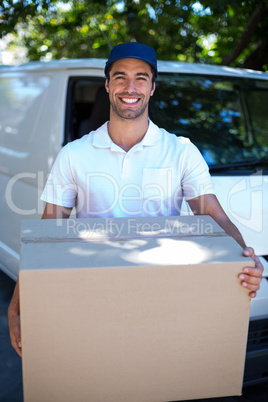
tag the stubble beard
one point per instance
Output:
(127, 113)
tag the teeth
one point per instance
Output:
(127, 100)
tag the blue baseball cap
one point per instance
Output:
(132, 50)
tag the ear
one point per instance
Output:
(107, 85)
(153, 89)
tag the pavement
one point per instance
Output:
(11, 369)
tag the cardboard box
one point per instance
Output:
(138, 309)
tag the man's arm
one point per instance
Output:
(51, 212)
(209, 205)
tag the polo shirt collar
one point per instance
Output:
(152, 135)
(102, 139)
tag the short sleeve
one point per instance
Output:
(196, 180)
(60, 188)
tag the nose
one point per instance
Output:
(130, 85)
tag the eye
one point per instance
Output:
(142, 78)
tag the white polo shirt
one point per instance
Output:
(100, 179)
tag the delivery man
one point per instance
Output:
(130, 167)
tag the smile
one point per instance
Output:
(129, 100)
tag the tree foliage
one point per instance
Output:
(12, 12)
(219, 32)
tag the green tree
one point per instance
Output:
(13, 12)
(240, 29)
(220, 32)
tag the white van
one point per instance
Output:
(224, 111)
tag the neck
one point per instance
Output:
(127, 132)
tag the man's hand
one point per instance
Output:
(14, 331)
(208, 204)
(251, 277)
(14, 320)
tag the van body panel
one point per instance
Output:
(245, 200)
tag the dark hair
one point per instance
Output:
(109, 69)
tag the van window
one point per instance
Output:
(87, 106)
(20, 104)
(225, 118)
(257, 103)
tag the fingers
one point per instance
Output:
(250, 282)
(13, 314)
(251, 276)
(16, 343)
(249, 252)
(15, 334)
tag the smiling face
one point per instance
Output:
(130, 87)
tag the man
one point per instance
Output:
(130, 167)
